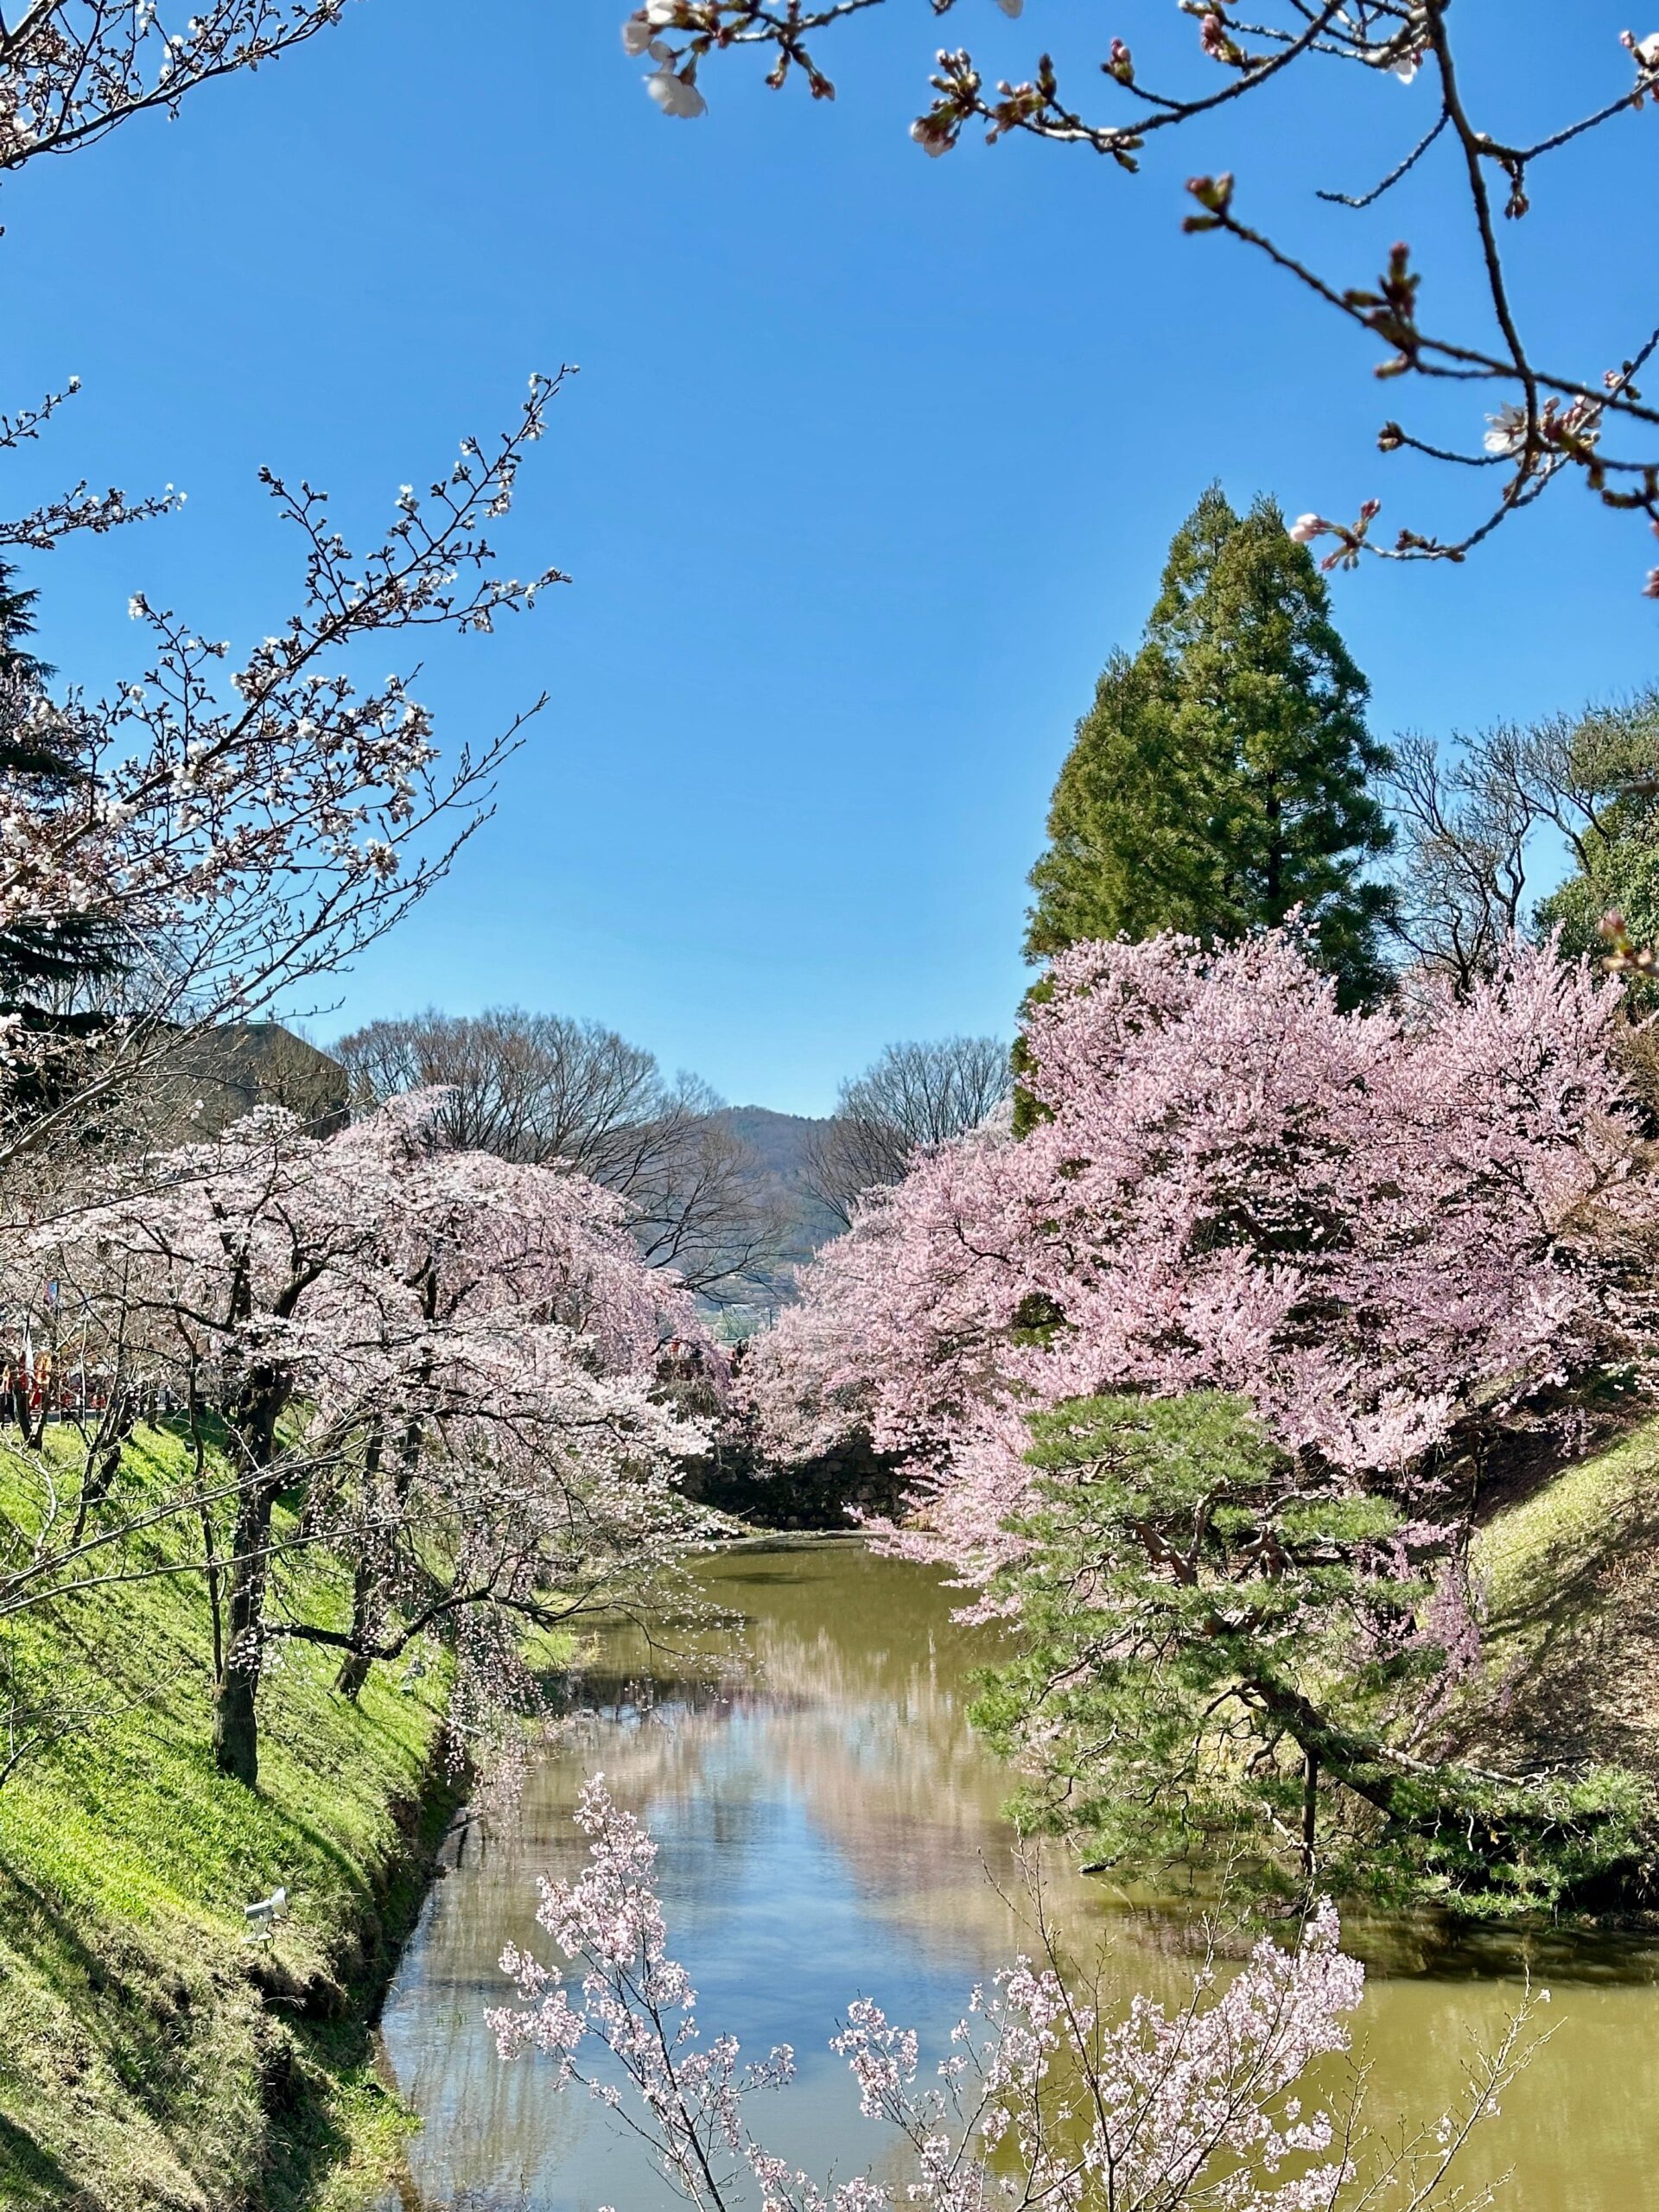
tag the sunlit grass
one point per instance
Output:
(1569, 1581)
(141, 2062)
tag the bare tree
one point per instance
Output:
(529, 1087)
(1475, 821)
(914, 1096)
(538, 1089)
(1465, 830)
(1469, 174)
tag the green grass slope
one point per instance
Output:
(150, 2057)
(1571, 1583)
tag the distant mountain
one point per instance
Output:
(779, 1142)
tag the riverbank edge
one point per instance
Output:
(152, 2058)
(1567, 1575)
(337, 2126)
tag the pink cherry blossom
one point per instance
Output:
(1197, 2106)
(458, 1362)
(1378, 1228)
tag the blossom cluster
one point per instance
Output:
(1376, 1227)
(1044, 2099)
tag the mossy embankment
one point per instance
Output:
(150, 2056)
(1570, 1577)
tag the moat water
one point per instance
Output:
(830, 1826)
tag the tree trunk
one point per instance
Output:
(31, 1422)
(365, 1582)
(236, 1717)
(103, 1456)
(236, 1723)
(371, 1579)
(366, 1610)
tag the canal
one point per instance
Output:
(828, 1827)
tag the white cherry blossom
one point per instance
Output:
(676, 92)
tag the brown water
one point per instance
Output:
(830, 1826)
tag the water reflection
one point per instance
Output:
(829, 1826)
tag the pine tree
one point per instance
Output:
(40, 960)
(1221, 778)
(1216, 1669)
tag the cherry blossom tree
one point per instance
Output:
(241, 833)
(453, 1369)
(550, 1369)
(1044, 2097)
(1383, 1229)
(1467, 168)
(1386, 1235)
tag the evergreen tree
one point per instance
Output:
(1217, 1666)
(39, 959)
(1221, 778)
(17, 622)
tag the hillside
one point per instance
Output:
(778, 1140)
(779, 1144)
(1572, 1583)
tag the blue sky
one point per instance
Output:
(871, 461)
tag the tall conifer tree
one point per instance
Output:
(1222, 778)
(38, 961)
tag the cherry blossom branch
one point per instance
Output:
(1552, 424)
(78, 508)
(242, 836)
(1162, 2110)
(72, 70)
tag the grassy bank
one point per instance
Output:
(150, 2057)
(1572, 1582)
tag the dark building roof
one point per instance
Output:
(224, 1072)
